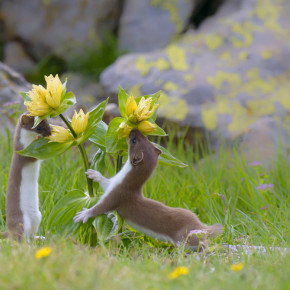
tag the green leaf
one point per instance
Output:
(167, 158)
(155, 97)
(41, 149)
(158, 131)
(99, 136)
(122, 99)
(106, 226)
(61, 216)
(25, 96)
(95, 117)
(64, 89)
(113, 144)
(99, 164)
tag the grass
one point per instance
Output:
(219, 188)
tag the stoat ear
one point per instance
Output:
(158, 151)
(138, 157)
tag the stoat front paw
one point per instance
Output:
(82, 216)
(95, 175)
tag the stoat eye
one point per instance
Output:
(134, 140)
(38, 128)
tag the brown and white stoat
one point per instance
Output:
(123, 193)
(22, 212)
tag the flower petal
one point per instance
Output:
(124, 130)
(146, 127)
(80, 121)
(54, 88)
(59, 134)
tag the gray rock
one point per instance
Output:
(60, 27)
(11, 83)
(16, 57)
(149, 25)
(222, 79)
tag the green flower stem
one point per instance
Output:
(119, 163)
(118, 168)
(84, 156)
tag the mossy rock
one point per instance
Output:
(222, 79)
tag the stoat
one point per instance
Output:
(22, 212)
(123, 193)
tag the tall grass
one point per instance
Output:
(219, 188)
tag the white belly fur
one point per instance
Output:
(29, 189)
(117, 179)
(151, 233)
(29, 198)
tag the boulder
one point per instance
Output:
(59, 27)
(17, 58)
(221, 79)
(149, 25)
(11, 83)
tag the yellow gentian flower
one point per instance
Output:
(44, 101)
(124, 130)
(143, 111)
(237, 267)
(136, 116)
(146, 127)
(54, 88)
(59, 134)
(80, 121)
(130, 108)
(43, 252)
(178, 271)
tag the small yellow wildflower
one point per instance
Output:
(143, 111)
(146, 127)
(124, 130)
(237, 267)
(80, 121)
(43, 252)
(178, 271)
(59, 134)
(44, 101)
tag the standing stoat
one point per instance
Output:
(22, 213)
(123, 193)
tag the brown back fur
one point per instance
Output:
(130, 203)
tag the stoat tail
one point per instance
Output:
(4, 235)
(215, 230)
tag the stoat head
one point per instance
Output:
(141, 150)
(42, 129)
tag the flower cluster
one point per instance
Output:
(79, 123)
(137, 116)
(45, 101)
